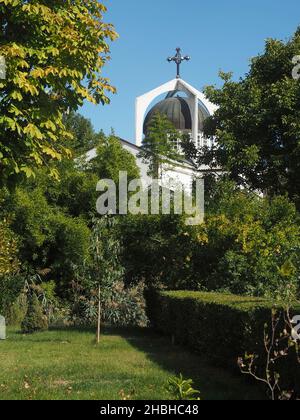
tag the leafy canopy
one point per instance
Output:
(257, 125)
(250, 245)
(84, 136)
(54, 53)
(113, 158)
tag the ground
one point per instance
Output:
(67, 364)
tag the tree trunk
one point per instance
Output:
(99, 316)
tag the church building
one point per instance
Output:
(184, 106)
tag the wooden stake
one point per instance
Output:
(99, 316)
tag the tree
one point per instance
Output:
(54, 54)
(84, 136)
(152, 244)
(160, 145)
(257, 124)
(246, 242)
(34, 320)
(113, 158)
(75, 191)
(49, 240)
(106, 269)
(188, 147)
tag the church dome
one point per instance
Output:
(178, 111)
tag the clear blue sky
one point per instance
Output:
(217, 34)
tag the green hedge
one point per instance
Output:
(221, 327)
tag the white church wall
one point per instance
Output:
(174, 176)
(171, 175)
(143, 167)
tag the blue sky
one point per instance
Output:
(217, 34)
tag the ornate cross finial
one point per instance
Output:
(178, 59)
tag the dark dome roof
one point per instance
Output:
(177, 110)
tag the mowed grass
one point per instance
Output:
(68, 365)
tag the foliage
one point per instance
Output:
(157, 250)
(55, 53)
(70, 246)
(125, 307)
(8, 250)
(34, 320)
(84, 136)
(160, 145)
(52, 218)
(10, 288)
(248, 243)
(280, 341)
(49, 239)
(99, 290)
(113, 158)
(182, 389)
(16, 310)
(188, 147)
(106, 269)
(222, 326)
(257, 123)
(75, 191)
(9, 258)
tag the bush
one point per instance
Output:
(11, 287)
(34, 320)
(16, 313)
(49, 239)
(245, 243)
(70, 246)
(221, 326)
(152, 244)
(242, 247)
(126, 306)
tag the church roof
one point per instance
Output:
(178, 111)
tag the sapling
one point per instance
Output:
(279, 340)
(106, 268)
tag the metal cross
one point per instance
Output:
(178, 59)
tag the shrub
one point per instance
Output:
(11, 287)
(16, 312)
(69, 246)
(101, 282)
(152, 244)
(221, 326)
(49, 238)
(126, 306)
(112, 158)
(244, 244)
(242, 247)
(34, 320)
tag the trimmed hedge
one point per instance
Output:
(221, 327)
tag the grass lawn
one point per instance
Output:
(66, 364)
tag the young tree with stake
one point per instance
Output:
(106, 269)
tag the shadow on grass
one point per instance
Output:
(213, 383)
